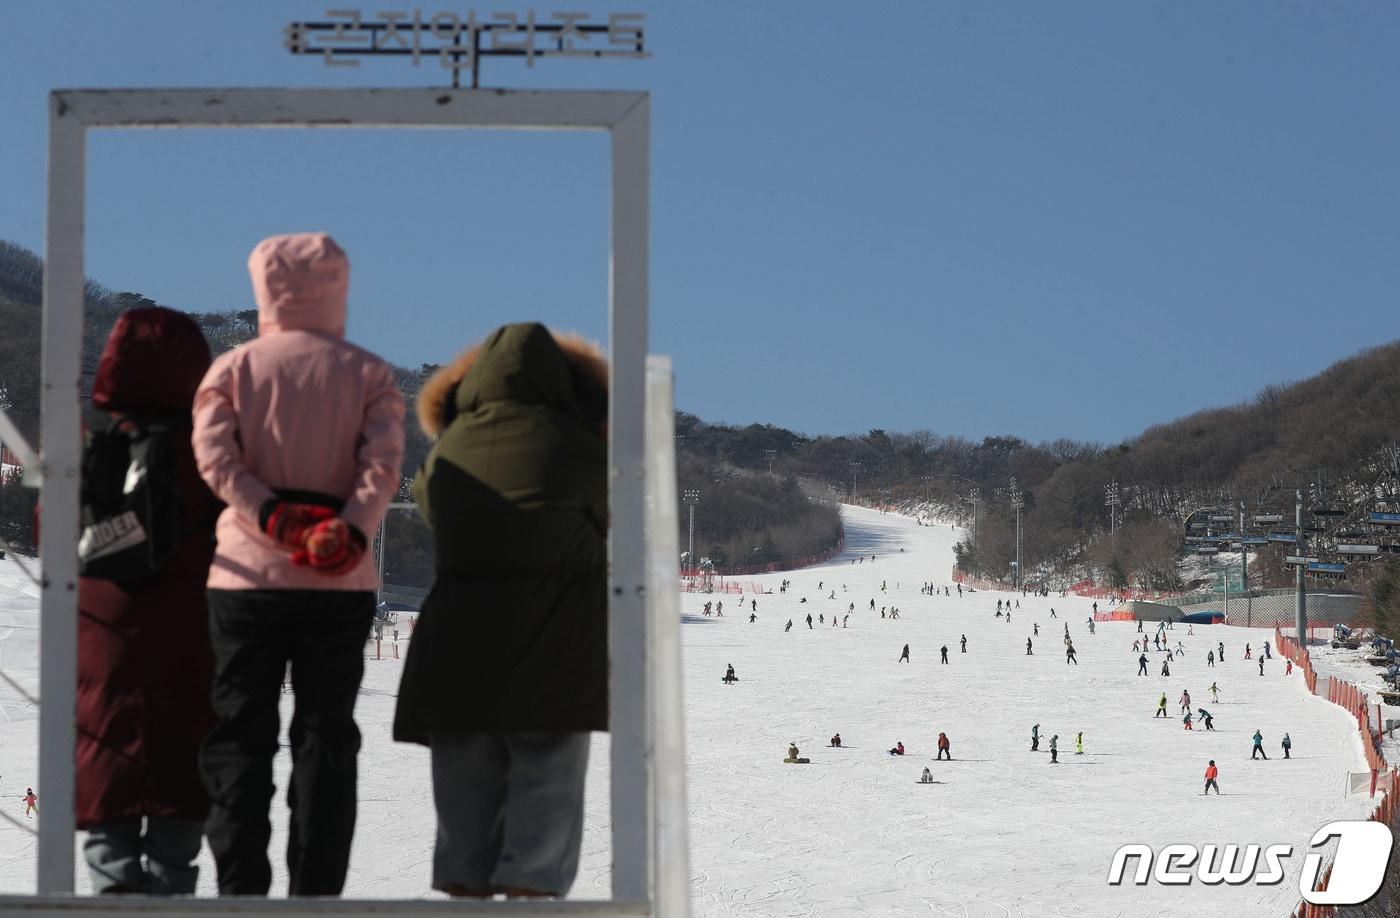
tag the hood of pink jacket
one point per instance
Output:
(300, 282)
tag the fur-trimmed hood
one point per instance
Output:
(520, 361)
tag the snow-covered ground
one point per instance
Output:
(1003, 832)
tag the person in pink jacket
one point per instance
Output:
(300, 433)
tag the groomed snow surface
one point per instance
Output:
(1003, 832)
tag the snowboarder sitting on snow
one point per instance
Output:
(898, 749)
(836, 740)
(943, 747)
(729, 676)
(926, 777)
(792, 752)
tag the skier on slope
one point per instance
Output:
(904, 656)
(1142, 665)
(1161, 706)
(1055, 749)
(1166, 671)
(809, 621)
(1069, 655)
(1186, 721)
(1028, 647)
(1210, 658)
(1035, 738)
(1211, 773)
(964, 643)
(1287, 746)
(1259, 746)
(1214, 692)
(1206, 718)
(944, 651)
(1185, 700)
(1079, 743)
(789, 627)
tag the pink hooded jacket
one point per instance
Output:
(299, 408)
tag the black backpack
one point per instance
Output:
(130, 499)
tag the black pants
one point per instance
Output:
(1054, 755)
(255, 635)
(1258, 751)
(1035, 743)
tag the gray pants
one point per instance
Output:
(509, 811)
(114, 852)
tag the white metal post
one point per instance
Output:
(631, 752)
(626, 115)
(59, 446)
(671, 871)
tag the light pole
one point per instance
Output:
(1018, 501)
(1302, 589)
(855, 470)
(769, 454)
(691, 496)
(1112, 499)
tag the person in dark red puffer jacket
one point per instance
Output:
(144, 660)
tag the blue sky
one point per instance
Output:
(1053, 220)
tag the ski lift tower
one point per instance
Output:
(650, 874)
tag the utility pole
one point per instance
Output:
(769, 454)
(1017, 501)
(855, 470)
(1112, 500)
(691, 496)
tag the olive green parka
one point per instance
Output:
(513, 636)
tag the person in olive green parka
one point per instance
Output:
(507, 671)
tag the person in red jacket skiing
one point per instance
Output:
(943, 747)
(1211, 773)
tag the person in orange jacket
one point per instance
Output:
(1211, 773)
(943, 747)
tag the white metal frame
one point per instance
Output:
(649, 871)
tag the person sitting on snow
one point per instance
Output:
(792, 751)
(898, 749)
(729, 674)
(836, 740)
(927, 776)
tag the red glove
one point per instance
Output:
(333, 547)
(290, 523)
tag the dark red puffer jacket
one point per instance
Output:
(144, 662)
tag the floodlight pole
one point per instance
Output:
(1017, 501)
(1301, 601)
(691, 497)
(855, 470)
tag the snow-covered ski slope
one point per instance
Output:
(1004, 832)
